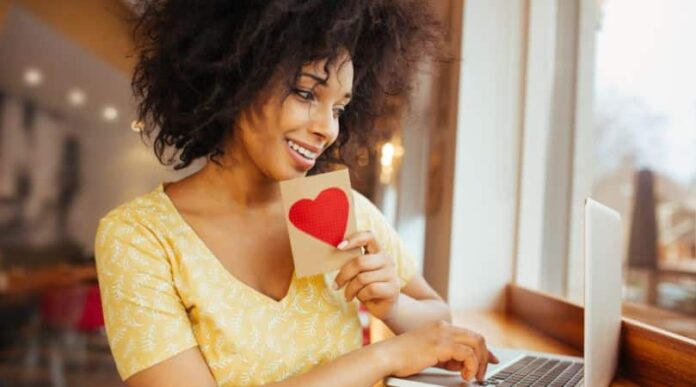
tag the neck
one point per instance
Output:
(236, 185)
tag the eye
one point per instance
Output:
(304, 94)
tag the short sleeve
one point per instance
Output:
(146, 321)
(369, 217)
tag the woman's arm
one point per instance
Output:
(187, 368)
(438, 343)
(362, 367)
(418, 304)
(434, 344)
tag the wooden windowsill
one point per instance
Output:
(503, 330)
(544, 323)
(647, 355)
(668, 320)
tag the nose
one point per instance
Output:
(324, 126)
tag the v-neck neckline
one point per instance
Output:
(209, 253)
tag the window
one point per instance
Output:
(610, 112)
(645, 152)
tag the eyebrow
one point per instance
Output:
(322, 81)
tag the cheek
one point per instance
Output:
(266, 128)
(293, 114)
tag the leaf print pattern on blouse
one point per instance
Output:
(164, 292)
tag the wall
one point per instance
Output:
(482, 194)
(99, 26)
(114, 166)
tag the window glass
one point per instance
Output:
(645, 152)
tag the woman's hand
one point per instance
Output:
(370, 277)
(439, 344)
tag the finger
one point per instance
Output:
(450, 365)
(483, 359)
(492, 358)
(470, 339)
(453, 365)
(377, 290)
(483, 366)
(483, 363)
(357, 265)
(467, 356)
(361, 238)
(477, 343)
(365, 278)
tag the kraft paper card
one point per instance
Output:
(319, 214)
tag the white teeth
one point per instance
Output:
(303, 151)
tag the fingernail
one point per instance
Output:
(334, 286)
(342, 245)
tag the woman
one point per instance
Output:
(197, 276)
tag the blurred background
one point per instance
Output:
(484, 177)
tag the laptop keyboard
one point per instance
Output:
(532, 371)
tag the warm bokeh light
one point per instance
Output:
(387, 154)
(110, 113)
(76, 97)
(33, 77)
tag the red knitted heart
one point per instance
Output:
(324, 218)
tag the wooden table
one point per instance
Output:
(502, 330)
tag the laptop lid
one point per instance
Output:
(602, 292)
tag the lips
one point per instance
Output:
(302, 150)
(300, 162)
(313, 148)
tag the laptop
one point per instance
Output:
(602, 325)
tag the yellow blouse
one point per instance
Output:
(163, 292)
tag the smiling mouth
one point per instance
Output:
(303, 152)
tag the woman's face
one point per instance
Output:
(283, 138)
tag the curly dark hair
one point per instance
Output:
(200, 63)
